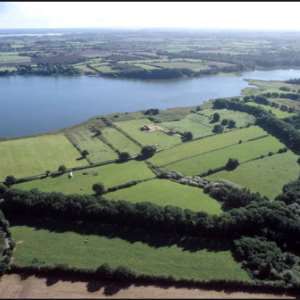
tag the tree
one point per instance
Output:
(231, 164)
(187, 136)
(10, 180)
(224, 122)
(218, 128)
(215, 117)
(85, 153)
(98, 188)
(62, 169)
(124, 156)
(231, 124)
(148, 151)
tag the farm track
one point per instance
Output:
(13, 286)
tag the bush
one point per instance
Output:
(218, 128)
(215, 117)
(98, 188)
(62, 169)
(10, 180)
(124, 156)
(231, 124)
(187, 136)
(148, 151)
(231, 164)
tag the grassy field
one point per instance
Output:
(243, 152)
(266, 176)
(98, 151)
(13, 57)
(35, 155)
(164, 192)
(277, 112)
(90, 251)
(158, 138)
(206, 145)
(82, 182)
(120, 141)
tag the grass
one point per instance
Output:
(82, 182)
(243, 152)
(206, 145)
(13, 57)
(277, 112)
(98, 151)
(164, 192)
(266, 176)
(158, 138)
(120, 141)
(195, 66)
(43, 247)
(34, 155)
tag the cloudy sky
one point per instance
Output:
(204, 15)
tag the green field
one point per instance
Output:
(266, 176)
(90, 251)
(158, 138)
(164, 192)
(215, 159)
(206, 145)
(277, 112)
(82, 181)
(35, 155)
(120, 141)
(85, 140)
(13, 57)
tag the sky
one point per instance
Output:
(138, 15)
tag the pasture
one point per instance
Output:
(164, 192)
(266, 176)
(45, 248)
(215, 159)
(86, 140)
(35, 155)
(277, 112)
(207, 144)
(158, 138)
(82, 182)
(13, 58)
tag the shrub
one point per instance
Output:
(62, 169)
(148, 151)
(218, 128)
(124, 156)
(10, 180)
(187, 136)
(231, 164)
(98, 188)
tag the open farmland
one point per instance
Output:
(84, 139)
(206, 145)
(157, 137)
(42, 247)
(266, 176)
(82, 181)
(35, 155)
(13, 58)
(216, 159)
(164, 192)
(120, 141)
(277, 112)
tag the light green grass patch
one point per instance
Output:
(13, 57)
(206, 145)
(215, 159)
(158, 138)
(90, 251)
(164, 192)
(82, 181)
(266, 176)
(34, 155)
(277, 112)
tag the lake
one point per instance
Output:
(37, 104)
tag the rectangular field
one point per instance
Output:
(45, 248)
(215, 159)
(164, 192)
(206, 145)
(158, 138)
(85, 140)
(120, 141)
(277, 112)
(34, 155)
(82, 181)
(266, 176)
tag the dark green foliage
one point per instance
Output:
(147, 151)
(152, 111)
(218, 128)
(215, 117)
(62, 169)
(231, 124)
(85, 153)
(124, 156)
(231, 164)
(224, 122)
(187, 136)
(10, 180)
(47, 69)
(98, 188)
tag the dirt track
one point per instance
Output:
(13, 286)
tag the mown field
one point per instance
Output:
(164, 192)
(85, 140)
(215, 159)
(82, 181)
(35, 155)
(158, 138)
(266, 176)
(207, 144)
(43, 247)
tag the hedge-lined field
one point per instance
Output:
(164, 192)
(243, 152)
(266, 176)
(277, 112)
(158, 138)
(82, 181)
(207, 144)
(35, 155)
(41, 247)
(85, 140)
